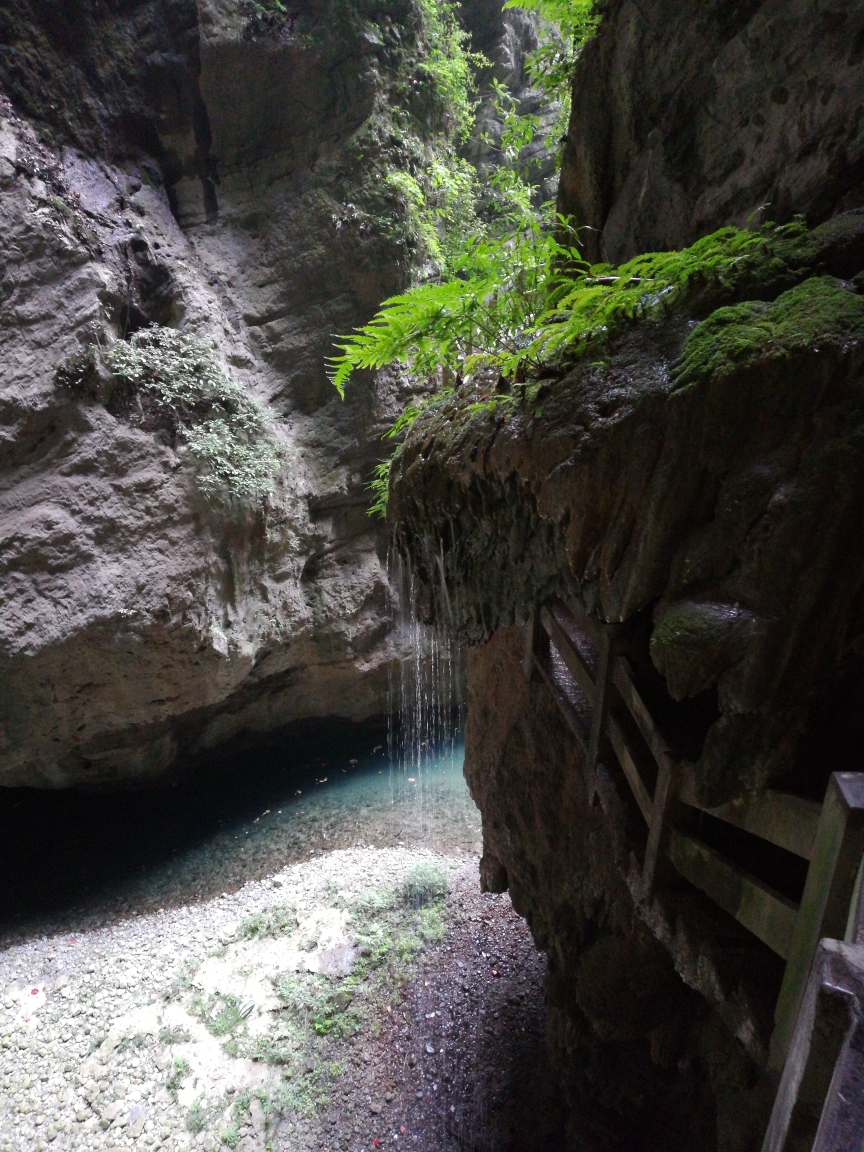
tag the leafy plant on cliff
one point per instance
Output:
(550, 66)
(426, 193)
(527, 300)
(452, 326)
(527, 303)
(226, 431)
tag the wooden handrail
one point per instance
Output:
(788, 821)
(766, 913)
(631, 770)
(569, 654)
(830, 836)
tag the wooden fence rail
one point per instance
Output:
(606, 714)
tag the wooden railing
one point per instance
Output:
(595, 689)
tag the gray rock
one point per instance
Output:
(687, 117)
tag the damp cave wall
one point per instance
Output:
(193, 164)
(728, 507)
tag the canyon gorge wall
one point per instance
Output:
(695, 480)
(692, 115)
(225, 170)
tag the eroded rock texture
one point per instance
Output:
(690, 115)
(698, 481)
(205, 168)
(220, 168)
(644, 1061)
(684, 478)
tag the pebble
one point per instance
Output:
(74, 1079)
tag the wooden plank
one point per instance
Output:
(528, 658)
(592, 627)
(757, 907)
(779, 817)
(622, 678)
(631, 771)
(563, 703)
(536, 642)
(601, 706)
(827, 896)
(824, 1068)
(665, 798)
(841, 1125)
(569, 654)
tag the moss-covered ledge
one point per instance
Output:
(708, 472)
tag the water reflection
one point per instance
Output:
(69, 858)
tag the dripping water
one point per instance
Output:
(425, 687)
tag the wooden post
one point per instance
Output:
(818, 1101)
(528, 658)
(825, 904)
(601, 704)
(665, 797)
(536, 645)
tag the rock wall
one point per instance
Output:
(690, 115)
(644, 1062)
(219, 170)
(697, 480)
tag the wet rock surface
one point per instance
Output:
(687, 116)
(657, 1020)
(695, 481)
(678, 481)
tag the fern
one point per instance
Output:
(530, 301)
(478, 319)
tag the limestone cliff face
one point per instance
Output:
(690, 115)
(207, 167)
(698, 481)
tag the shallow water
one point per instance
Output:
(72, 859)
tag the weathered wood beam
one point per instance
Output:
(536, 645)
(764, 912)
(622, 678)
(601, 706)
(818, 1101)
(569, 654)
(828, 893)
(570, 717)
(592, 627)
(778, 817)
(665, 802)
(627, 760)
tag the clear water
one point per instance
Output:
(70, 858)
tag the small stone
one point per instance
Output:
(256, 1111)
(375, 1108)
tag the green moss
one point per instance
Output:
(812, 317)
(226, 430)
(275, 922)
